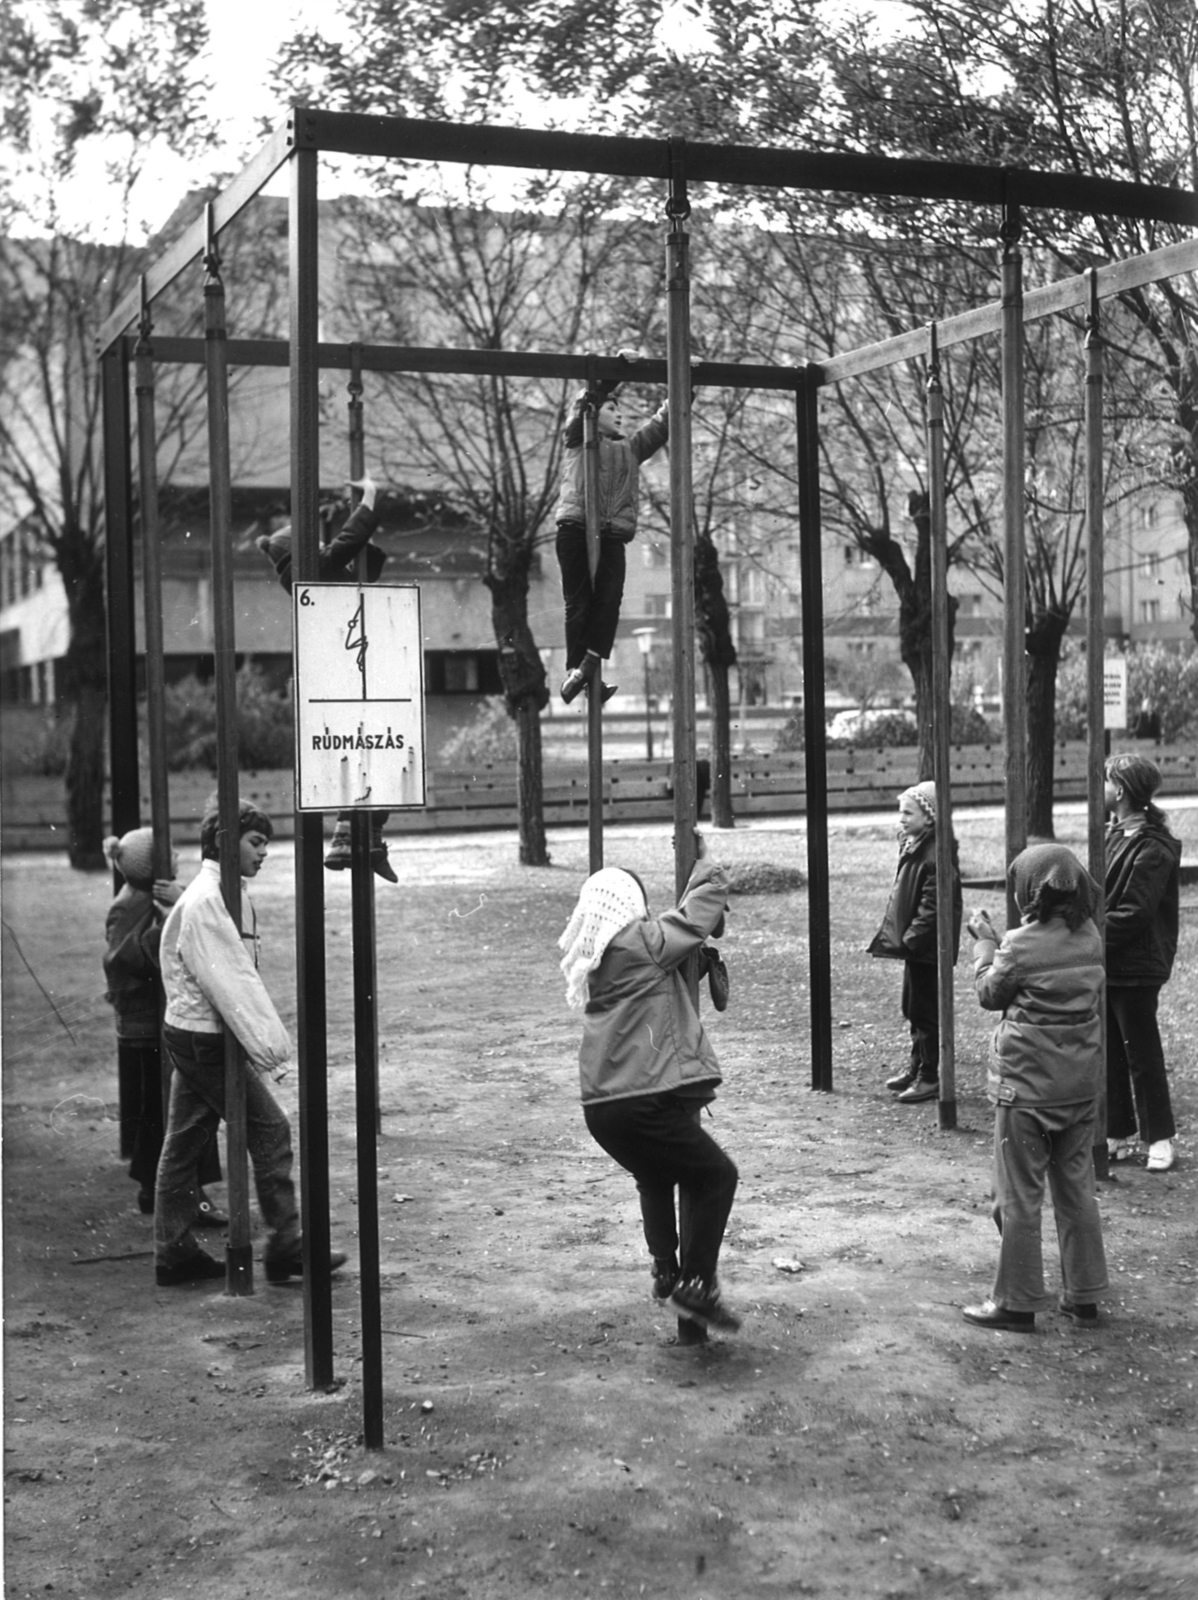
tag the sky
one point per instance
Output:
(245, 35)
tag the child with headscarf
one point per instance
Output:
(647, 1070)
(908, 934)
(133, 929)
(1044, 1079)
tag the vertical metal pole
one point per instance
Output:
(366, 1042)
(239, 1255)
(590, 487)
(941, 734)
(1095, 649)
(311, 1000)
(815, 758)
(682, 525)
(151, 584)
(118, 560)
(1014, 556)
(366, 1059)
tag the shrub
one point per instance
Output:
(265, 723)
(489, 738)
(1166, 677)
(36, 740)
(888, 732)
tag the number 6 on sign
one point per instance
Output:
(359, 697)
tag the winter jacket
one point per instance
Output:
(619, 473)
(641, 1033)
(1046, 981)
(335, 561)
(211, 979)
(908, 930)
(1143, 874)
(132, 932)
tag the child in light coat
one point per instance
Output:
(1045, 1076)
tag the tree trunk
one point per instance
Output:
(1044, 637)
(718, 652)
(721, 748)
(526, 696)
(85, 677)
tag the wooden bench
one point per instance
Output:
(34, 809)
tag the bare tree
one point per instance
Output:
(113, 77)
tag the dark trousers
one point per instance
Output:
(147, 1071)
(921, 1007)
(592, 609)
(1137, 1086)
(197, 1106)
(659, 1139)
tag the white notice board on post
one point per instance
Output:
(359, 697)
(1114, 693)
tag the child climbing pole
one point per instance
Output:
(592, 602)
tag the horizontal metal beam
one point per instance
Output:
(755, 166)
(1136, 272)
(178, 256)
(503, 363)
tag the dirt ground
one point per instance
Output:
(544, 1433)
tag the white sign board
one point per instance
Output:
(359, 697)
(1114, 692)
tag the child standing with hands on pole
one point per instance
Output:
(908, 934)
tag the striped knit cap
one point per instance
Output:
(924, 795)
(609, 901)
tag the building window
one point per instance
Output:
(462, 672)
(1152, 565)
(1149, 515)
(655, 553)
(861, 647)
(657, 605)
(975, 605)
(1150, 611)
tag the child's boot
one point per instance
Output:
(923, 1088)
(340, 855)
(378, 852)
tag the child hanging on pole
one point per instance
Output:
(335, 564)
(647, 1070)
(593, 604)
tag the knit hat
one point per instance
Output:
(609, 900)
(277, 546)
(924, 795)
(132, 855)
(1137, 776)
(1048, 880)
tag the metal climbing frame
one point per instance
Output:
(298, 144)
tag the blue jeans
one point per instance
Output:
(196, 1108)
